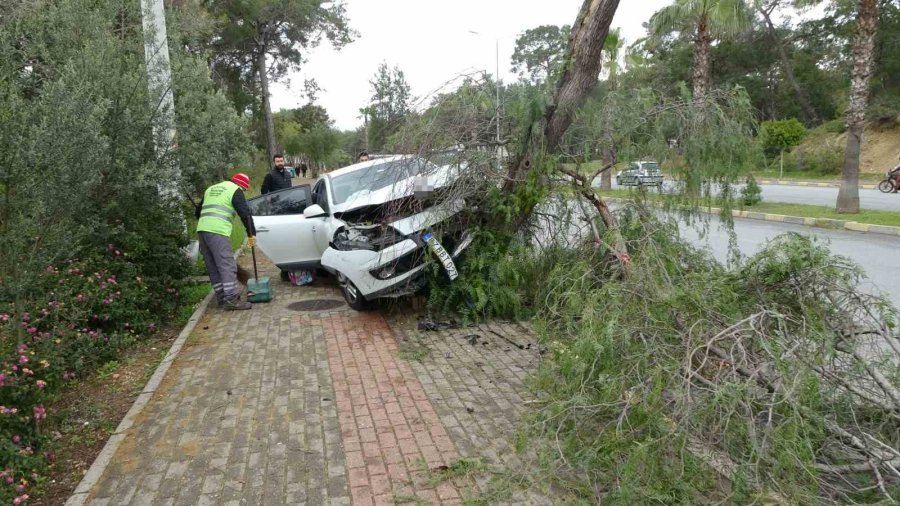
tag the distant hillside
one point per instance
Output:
(880, 149)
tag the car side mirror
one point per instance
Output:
(314, 211)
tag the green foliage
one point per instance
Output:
(751, 193)
(540, 51)
(820, 160)
(282, 29)
(390, 104)
(90, 251)
(616, 421)
(783, 134)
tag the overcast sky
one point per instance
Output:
(430, 41)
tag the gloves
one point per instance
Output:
(252, 241)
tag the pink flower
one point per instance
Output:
(10, 480)
(107, 301)
(39, 412)
(103, 286)
(4, 317)
(23, 359)
(16, 439)
(19, 500)
(40, 384)
(32, 330)
(20, 488)
(26, 371)
(26, 317)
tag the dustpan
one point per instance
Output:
(258, 289)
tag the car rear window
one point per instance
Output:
(652, 167)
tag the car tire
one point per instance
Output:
(354, 299)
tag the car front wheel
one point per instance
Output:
(354, 299)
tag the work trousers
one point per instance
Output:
(220, 264)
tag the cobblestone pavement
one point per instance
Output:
(279, 405)
(474, 377)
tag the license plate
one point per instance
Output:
(441, 253)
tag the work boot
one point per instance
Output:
(236, 304)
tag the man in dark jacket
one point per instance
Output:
(278, 178)
(214, 217)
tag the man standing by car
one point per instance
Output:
(214, 218)
(278, 178)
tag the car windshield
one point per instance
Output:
(376, 177)
(651, 167)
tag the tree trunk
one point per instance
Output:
(863, 57)
(811, 116)
(702, 46)
(581, 71)
(606, 176)
(266, 106)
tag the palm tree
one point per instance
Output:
(862, 57)
(707, 20)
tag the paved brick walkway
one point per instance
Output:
(280, 406)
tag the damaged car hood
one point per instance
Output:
(404, 215)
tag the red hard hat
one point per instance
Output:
(241, 179)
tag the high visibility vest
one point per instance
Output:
(217, 213)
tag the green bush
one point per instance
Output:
(90, 249)
(835, 126)
(779, 135)
(821, 160)
(751, 193)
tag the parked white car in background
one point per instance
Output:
(640, 173)
(370, 224)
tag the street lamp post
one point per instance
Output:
(497, 90)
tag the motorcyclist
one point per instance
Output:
(894, 176)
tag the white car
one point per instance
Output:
(370, 224)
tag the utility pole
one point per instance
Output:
(162, 100)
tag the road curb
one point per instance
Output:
(814, 184)
(811, 222)
(83, 491)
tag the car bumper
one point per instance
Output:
(402, 265)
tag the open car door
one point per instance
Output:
(282, 232)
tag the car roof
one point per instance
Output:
(363, 165)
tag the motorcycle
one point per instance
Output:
(887, 184)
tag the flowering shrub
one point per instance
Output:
(79, 314)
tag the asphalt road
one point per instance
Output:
(874, 252)
(868, 199)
